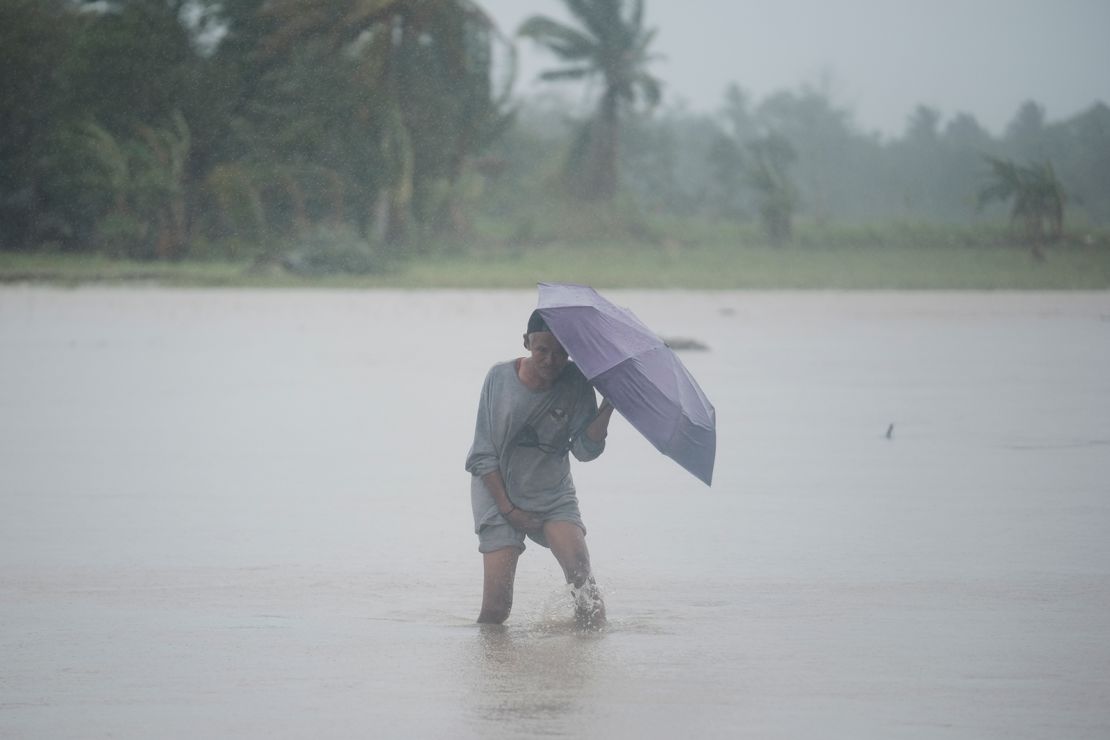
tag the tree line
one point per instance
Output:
(144, 126)
(169, 128)
(796, 153)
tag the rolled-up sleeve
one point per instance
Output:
(482, 457)
(585, 449)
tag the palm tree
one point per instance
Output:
(1037, 194)
(613, 45)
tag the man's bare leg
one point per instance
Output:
(568, 544)
(497, 589)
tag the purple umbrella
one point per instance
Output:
(639, 374)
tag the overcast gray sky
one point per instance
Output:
(883, 57)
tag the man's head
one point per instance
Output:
(536, 323)
(548, 356)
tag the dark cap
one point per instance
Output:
(536, 323)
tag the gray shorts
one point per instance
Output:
(499, 533)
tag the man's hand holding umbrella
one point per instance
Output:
(599, 427)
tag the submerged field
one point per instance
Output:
(622, 265)
(244, 513)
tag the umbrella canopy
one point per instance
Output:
(639, 374)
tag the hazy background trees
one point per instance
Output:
(173, 128)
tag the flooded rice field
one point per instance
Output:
(245, 514)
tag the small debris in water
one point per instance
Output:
(679, 344)
(890, 431)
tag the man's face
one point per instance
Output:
(548, 356)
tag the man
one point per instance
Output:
(532, 412)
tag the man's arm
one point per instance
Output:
(598, 429)
(590, 443)
(482, 457)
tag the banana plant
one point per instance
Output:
(425, 68)
(161, 186)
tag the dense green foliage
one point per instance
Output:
(334, 135)
(149, 127)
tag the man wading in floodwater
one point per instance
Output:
(533, 411)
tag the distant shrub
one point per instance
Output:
(121, 235)
(563, 220)
(335, 252)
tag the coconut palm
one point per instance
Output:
(612, 45)
(1037, 194)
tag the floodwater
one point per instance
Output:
(244, 514)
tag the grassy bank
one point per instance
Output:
(625, 265)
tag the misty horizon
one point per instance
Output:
(879, 61)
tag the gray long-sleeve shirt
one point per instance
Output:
(526, 434)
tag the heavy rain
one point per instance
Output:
(258, 258)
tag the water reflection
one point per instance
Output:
(533, 678)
